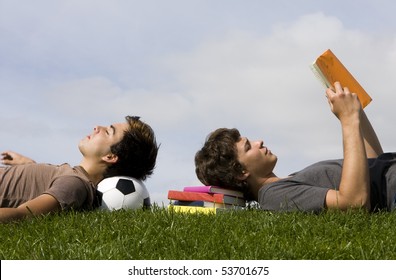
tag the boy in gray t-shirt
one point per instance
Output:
(362, 179)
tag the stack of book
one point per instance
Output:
(205, 199)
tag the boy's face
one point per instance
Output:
(255, 158)
(97, 145)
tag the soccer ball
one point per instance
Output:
(121, 192)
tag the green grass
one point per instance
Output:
(157, 234)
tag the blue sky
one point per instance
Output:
(188, 67)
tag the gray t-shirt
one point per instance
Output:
(306, 190)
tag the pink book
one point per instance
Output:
(215, 197)
(213, 189)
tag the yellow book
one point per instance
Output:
(329, 69)
(192, 209)
(199, 209)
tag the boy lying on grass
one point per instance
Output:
(28, 188)
(366, 177)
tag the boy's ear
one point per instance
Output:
(110, 158)
(244, 175)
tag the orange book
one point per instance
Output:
(329, 69)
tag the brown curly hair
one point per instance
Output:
(217, 162)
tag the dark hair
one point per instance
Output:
(217, 162)
(136, 152)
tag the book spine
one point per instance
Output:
(202, 189)
(204, 210)
(191, 209)
(214, 190)
(192, 196)
(201, 203)
(215, 198)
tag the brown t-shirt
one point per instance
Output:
(70, 186)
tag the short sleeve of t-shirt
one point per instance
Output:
(287, 195)
(69, 191)
(303, 191)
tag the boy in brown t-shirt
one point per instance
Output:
(28, 188)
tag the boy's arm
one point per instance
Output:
(12, 158)
(371, 142)
(354, 188)
(40, 205)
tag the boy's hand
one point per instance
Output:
(343, 103)
(12, 158)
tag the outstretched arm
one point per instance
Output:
(371, 142)
(12, 158)
(42, 204)
(354, 188)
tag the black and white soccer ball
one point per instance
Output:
(122, 192)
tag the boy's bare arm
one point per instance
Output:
(354, 188)
(43, 204)
(371, 142)
(12, 158)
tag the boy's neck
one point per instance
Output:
(259, 183)
(95, 172)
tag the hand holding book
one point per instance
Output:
(329, 69)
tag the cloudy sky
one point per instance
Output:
(188, 67)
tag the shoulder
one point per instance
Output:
(72, 192)
(290, 194)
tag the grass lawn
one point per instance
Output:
(158, 234)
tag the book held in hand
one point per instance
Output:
(329, 69)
